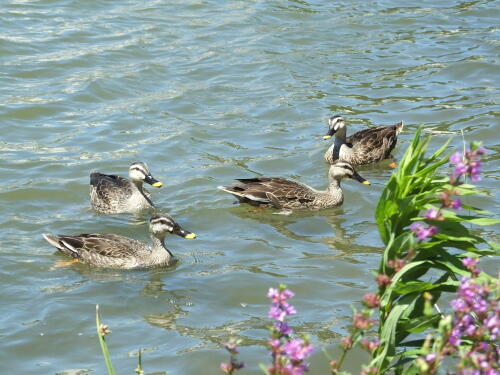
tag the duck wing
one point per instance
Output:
(375, 143)
(104, 186)
(94, 245)
(276, 191)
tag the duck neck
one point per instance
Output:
(334, 185)
(340, 137)
(138, 185)
(159, 251)
(334, 191)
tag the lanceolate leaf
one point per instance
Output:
(483, 221)
(414, 286)
(421, 323)
(387, 348)
(409, 267)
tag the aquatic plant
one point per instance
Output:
(471, 333)
(429, 247)
(102, 331)
(233, 365)
(288, 354)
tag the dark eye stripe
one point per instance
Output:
(138, 169)
(345, 166)
(162, 221)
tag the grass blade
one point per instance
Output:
(102, 330)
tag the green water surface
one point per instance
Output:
(205, 92)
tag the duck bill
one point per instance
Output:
(358, 177)
(330, 133)
(183, 233)
(153, 181)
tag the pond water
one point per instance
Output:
(205, 92)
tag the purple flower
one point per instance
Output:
(298, 350)
(474, 170)
(432, 214)
(458, 305)
(480, 150)
(283, 328)
(469, 262)
(456, 204)
(467, 164)
(431, 357)
(454, 339)
(493, 325)
(280, 308)
(273, 293)
(279, 295)
(422, 231)
(476, 318)
(288, 354)
(456, 158)
(460, 169)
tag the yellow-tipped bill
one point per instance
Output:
(190, 236)
(157, 184)
(327, 136)
(366, 182)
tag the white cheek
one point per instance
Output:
(134, 175)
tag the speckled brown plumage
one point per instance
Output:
(113, 194)
(114, 251)
(285, 194)
(107, 250)
(364, 147)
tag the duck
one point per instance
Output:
(111, 194)
(364, 147)
(114, 251)
(290, 195)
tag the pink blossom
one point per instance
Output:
(371, 300)
(456, 204)
(423, 231)
(383, 280)
(298, 350)
(432, 214)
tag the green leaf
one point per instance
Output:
(413, 286)
(423, 265)
(263, 367)
(411, 370)
(387, 347)
(440, 151)
(102, 341)
(482, 221)
(421, 323)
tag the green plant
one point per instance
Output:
(429, 244)
(102, 331)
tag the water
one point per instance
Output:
(204, 92)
